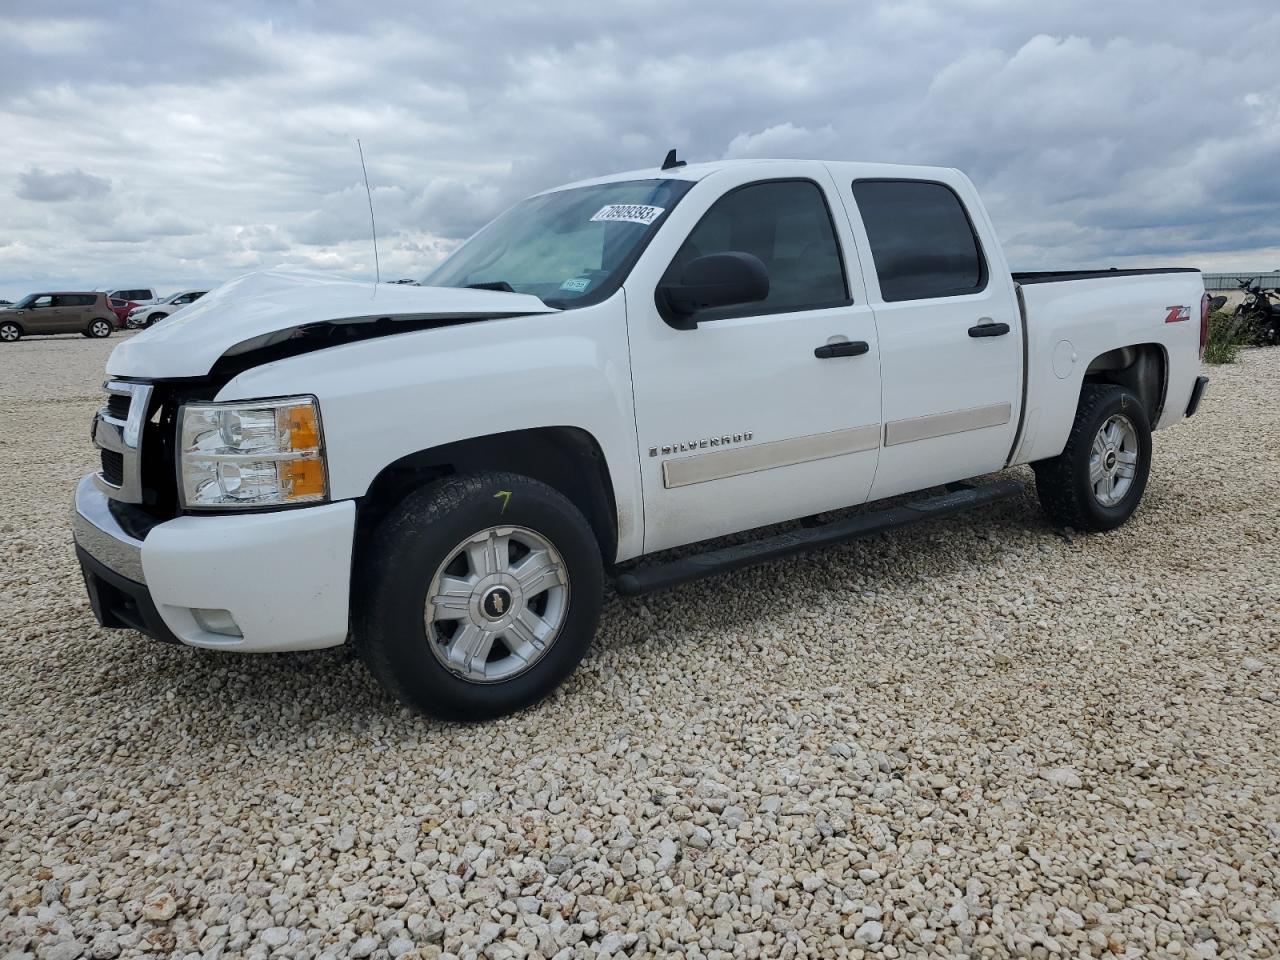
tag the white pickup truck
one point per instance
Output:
(446, 474)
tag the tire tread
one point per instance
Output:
(1056, 480)
(418, 511)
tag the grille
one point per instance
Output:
(118, 406)
(113, 467)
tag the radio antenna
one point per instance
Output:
(373, 224)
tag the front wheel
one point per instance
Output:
(1097, 481)
(481, 595)
(99, 329)
(10, 332)
(154, 318)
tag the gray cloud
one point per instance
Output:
(44, 187)
(1100, 133)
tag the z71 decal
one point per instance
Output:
(1177, 313)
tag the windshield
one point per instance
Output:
(569, 248)
(26, 301)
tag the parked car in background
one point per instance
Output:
(40, 313)
(139, 295)
(121, 309)
(147, 314)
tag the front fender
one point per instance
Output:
(386, 398)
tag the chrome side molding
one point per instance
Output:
(765, 456)
(943, 424)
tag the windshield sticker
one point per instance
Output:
(576, 285)
(629, 213)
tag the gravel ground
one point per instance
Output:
(979, 738)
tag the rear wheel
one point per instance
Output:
(1097, 482)
(481, 595)
(99, 329)
(10, 332)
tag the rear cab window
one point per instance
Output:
(923, 242)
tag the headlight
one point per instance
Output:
(262, 453)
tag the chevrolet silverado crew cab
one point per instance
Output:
(446, 474)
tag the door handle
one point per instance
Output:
(846, 348)
(989, 330)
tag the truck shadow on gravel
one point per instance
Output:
(283, 697)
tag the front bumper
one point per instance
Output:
(284, 577)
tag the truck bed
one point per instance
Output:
(1071, 317)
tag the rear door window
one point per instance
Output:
(922, 240)
(75, 300)
(787, 224)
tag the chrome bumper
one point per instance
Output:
(100, 535)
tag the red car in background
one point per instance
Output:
(121, 309)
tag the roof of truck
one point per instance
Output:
(697, 171)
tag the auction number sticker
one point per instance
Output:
(629, 213)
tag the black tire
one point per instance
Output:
(413, 542)
(1063, 482)
(154, 318)
(10, 332)
(100, 329)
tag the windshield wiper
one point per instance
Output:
(492, 285)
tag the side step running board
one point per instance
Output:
(663, 575)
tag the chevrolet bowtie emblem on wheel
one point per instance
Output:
(496, 603)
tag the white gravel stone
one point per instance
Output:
(159, 906)
(841, 753)
(1063, 777)
(869, 932)
(275, 936)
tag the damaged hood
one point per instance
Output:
(262, 309)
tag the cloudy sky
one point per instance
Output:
(183, 143)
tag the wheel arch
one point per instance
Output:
(568, 459)
(1143, 368)
(21, 329)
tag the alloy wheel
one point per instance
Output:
(497, 604)
(1113, 460)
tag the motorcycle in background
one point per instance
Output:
(1260, 311)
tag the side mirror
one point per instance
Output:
(715, 280)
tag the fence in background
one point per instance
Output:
(1231, 281)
